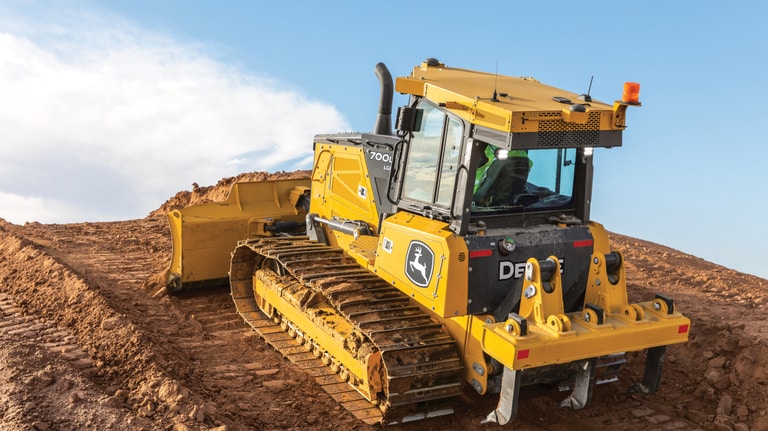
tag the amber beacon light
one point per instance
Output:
(631, 93)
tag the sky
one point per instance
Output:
(108, 108)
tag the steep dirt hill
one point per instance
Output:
(89, 340)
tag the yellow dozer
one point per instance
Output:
(456, 252)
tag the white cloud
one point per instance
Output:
(15, 207)
(101, 119)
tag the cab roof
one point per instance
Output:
(508, 104)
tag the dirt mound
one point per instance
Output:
(124, 372)
(88, 342)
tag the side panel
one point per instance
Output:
(349, 183)
(425, 260)
(340, 184)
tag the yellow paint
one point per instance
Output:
(554, 337)
(468, 333)
(328, 328)
(205, 235)
(446, 294)
(584, 340)
(521, 104)
(341, 188)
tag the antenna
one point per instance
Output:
(587, 97)
(495, 83)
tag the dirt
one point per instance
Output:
(89, 340)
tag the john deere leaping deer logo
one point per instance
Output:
(419, 263)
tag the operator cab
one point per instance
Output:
(448, 173)
(483, 150)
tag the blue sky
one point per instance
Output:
(109, 108)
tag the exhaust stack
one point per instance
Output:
(384, 118)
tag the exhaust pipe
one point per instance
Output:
(384, 119)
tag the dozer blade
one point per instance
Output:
(204, 235)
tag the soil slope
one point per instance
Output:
(90, 340)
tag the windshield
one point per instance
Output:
(534, 180)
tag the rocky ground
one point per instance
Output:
(89, 340)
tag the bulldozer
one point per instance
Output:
(452, 252)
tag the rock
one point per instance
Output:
(734, 379)
(698, 417)
(642, 412)
(40, 426)
(742, 412)
(658, 419)
(722, 383)
(676, 426)
(704, 390)
(718, 362)
(42, 379)
(724, 406)
(121, 395)
(172, 392)
(718, 378)
(727, 343)
(193, 413)
(209, 409)
(197, 413)
(720, 426)
(761, 423)
(174, 409)
(740, 427)
(108, 402)
(112, 323)
(140, 423)
(147, 410)
(713, 374)
(275, 385)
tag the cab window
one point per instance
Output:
(432, 164)
(525, 179)
(451, 152)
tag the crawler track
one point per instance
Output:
(419, 367)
